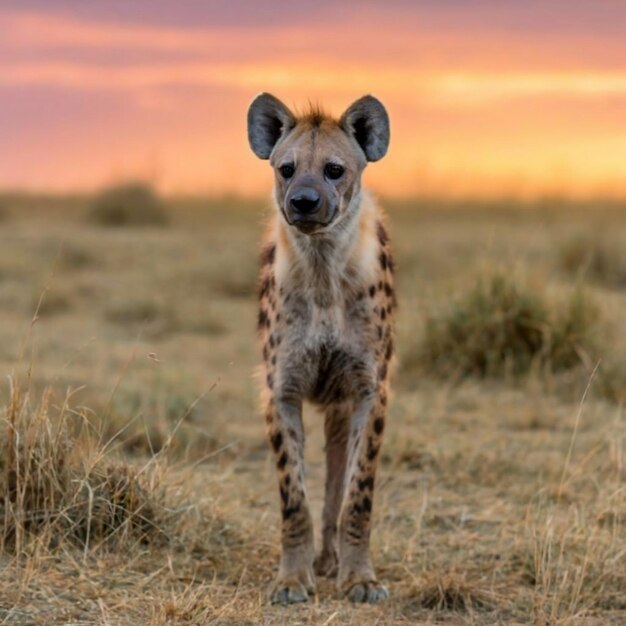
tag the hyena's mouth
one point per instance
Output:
(309, 226)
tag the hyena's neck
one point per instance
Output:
(328, 267)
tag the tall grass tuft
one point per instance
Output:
(129, 204)
(59, 483)
(595, 258)
(502, 327)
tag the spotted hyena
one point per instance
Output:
(325, 321)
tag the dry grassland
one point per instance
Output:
(136, 486)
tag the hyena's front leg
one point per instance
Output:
(295, 581)
(356, 577)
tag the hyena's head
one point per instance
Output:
(317, 160)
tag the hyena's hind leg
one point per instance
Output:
(296, 580)
(336, 428)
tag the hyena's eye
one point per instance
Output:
(333, 171)
(287, 170)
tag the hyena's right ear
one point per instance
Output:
(367, 121)
(268, 120)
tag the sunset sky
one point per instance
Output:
(488, 97)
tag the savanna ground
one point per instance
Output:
(137, 486)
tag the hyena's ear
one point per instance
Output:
(367, 121)
(268, 120)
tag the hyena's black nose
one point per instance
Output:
(306, 201)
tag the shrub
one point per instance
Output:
(595, 258)
(130, 204)
(500, 327)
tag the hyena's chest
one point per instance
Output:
(328, 353)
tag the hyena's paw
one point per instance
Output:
(292, 590)
(370, 592)
(326, 564)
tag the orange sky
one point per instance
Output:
(485, 98)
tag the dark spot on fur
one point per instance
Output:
(287, 480)
(266, 353)
(389, 350)
(384, 262)
(284, 496)
(383, 314)
(264, 287)
(383, 371)
(292, 510)
(367, 504)
(274, 359)
(380, 285)
(366, 483)
(277, 441)
(271, 340)
(388, 290)
(262, 318)
(379, 425)
(360, 295)
(292, 434)
(372, 449)
(382, 234)
(357, 509)
(268, 254)
(282, 461)
(278, 317)
(270, 381)
(372, 291)
(379, 330)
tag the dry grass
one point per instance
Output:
(147, 495)
(595, 258)
(130, 204)
(59, 484)
(503, 327)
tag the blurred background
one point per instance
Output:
(131, 207)
(487, 98)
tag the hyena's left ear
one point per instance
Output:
(268, 120)
(367, 121)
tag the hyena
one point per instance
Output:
(325, 322)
